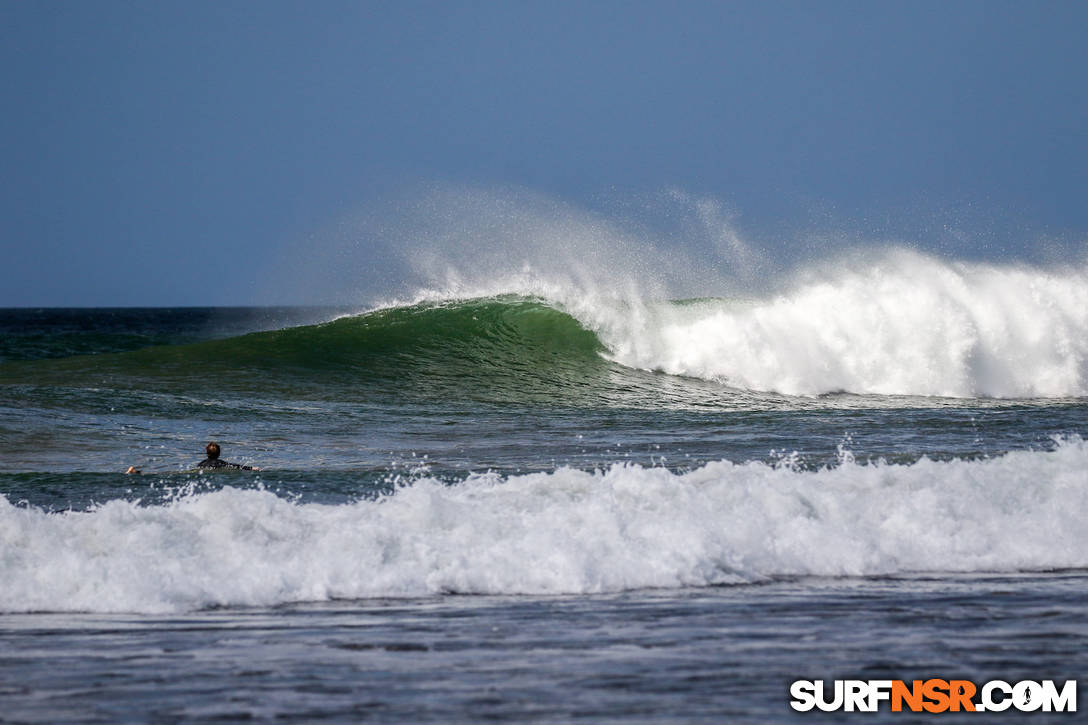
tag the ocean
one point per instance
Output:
(545, 502)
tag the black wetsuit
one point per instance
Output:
(216, 463)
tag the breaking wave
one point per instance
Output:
(567, 531)
(904, 325)
(898, 324)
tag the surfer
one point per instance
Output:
(213, 461)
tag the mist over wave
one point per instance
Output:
(802, 318)
(567, 531)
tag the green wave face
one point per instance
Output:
(499, 349)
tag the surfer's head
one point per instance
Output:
(212, 449)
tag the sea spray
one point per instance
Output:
(460, 240)
(861, 317)
(567, 531)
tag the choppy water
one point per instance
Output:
(535, 501)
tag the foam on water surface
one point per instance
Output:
(567, 531)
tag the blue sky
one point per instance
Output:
(168, 153)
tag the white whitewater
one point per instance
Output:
(567, 531)
(906, 325)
